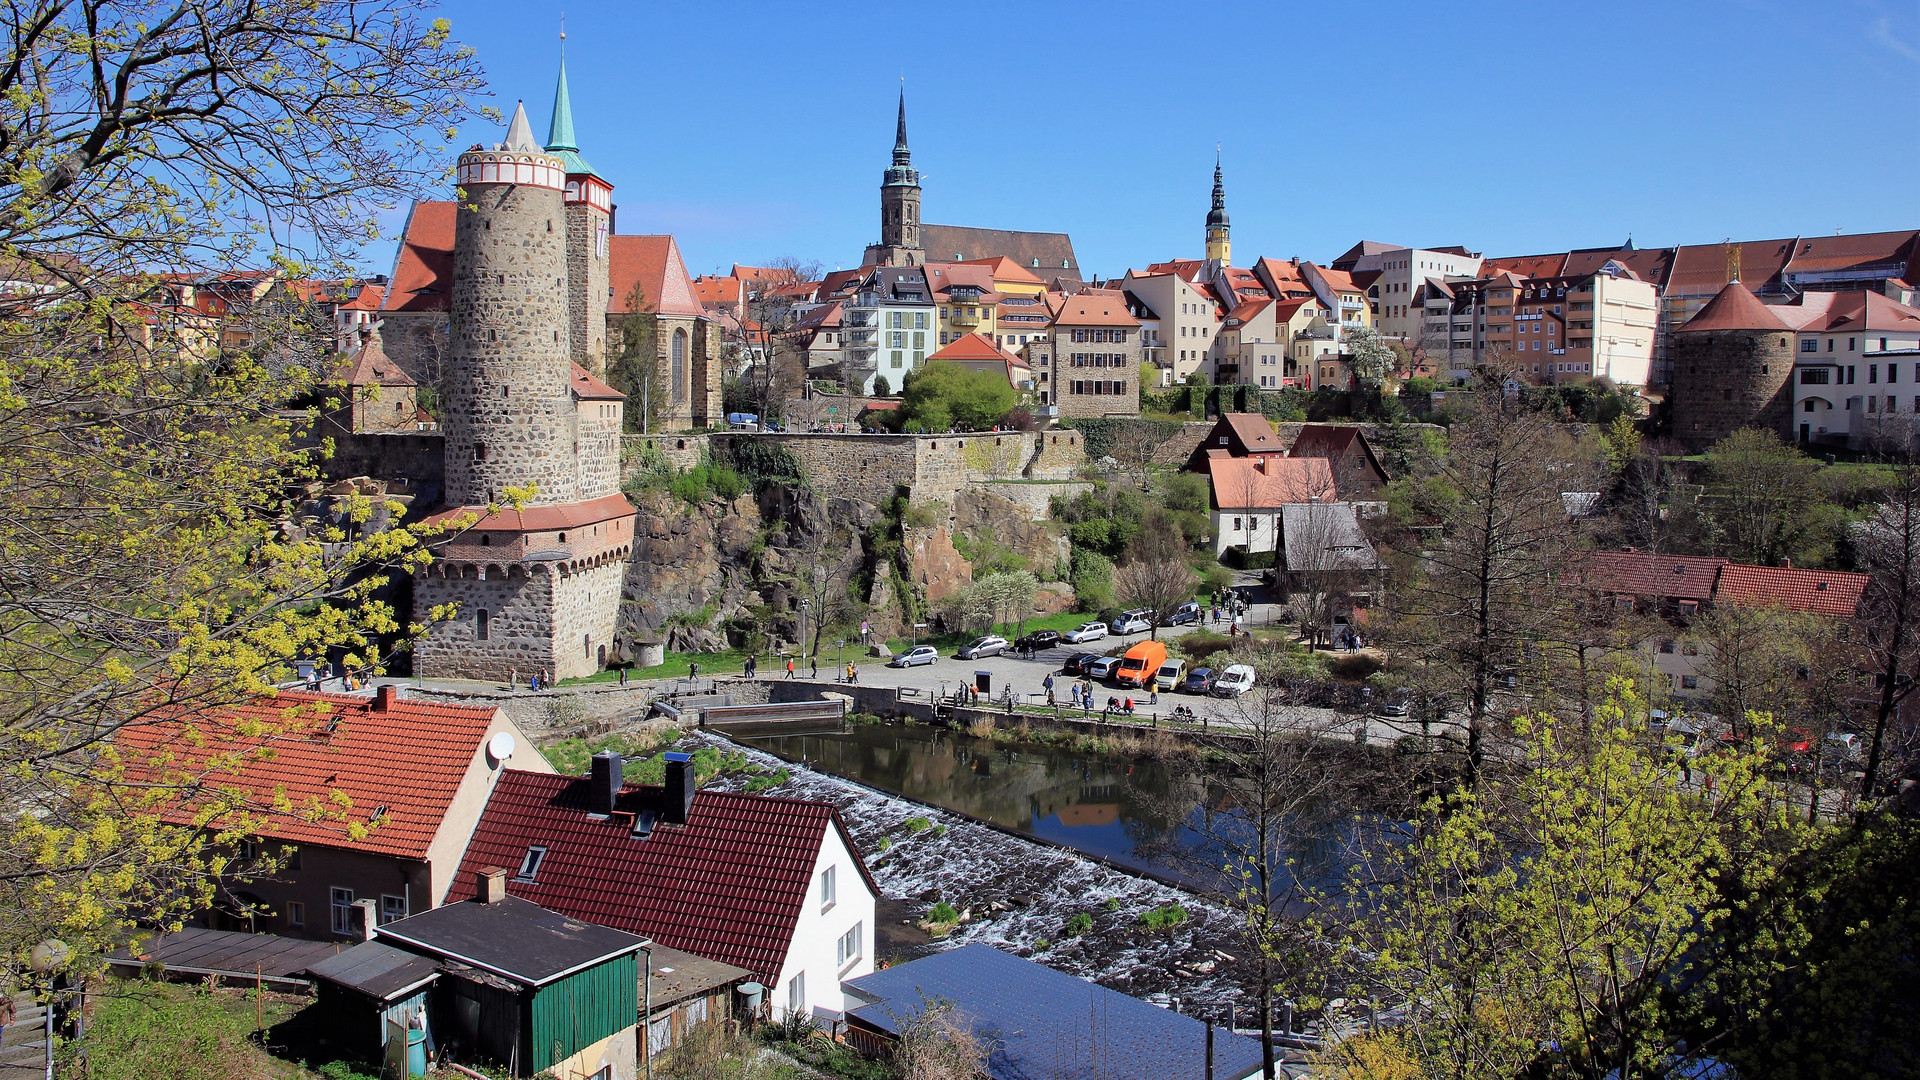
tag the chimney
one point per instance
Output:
(606, 783)
(680, 785)
(385, 698)
(493, 885)
(1786, 564)
(368, 917)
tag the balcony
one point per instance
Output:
(960, 318)
(1349, 304)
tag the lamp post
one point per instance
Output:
(803, 631)
(841, 644)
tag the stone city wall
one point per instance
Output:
(416, 458)
(1035, 498)
(520, 627)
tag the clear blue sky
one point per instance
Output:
(754, 130)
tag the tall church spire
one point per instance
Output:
(560, 132)
(899, 204)
(1219, 232)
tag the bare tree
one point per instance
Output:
(1887, 547)
(1156, 575)
(1135, 444)
(766, 341)
(939, 1043)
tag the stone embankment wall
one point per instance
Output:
(933, 468)
(681, 451)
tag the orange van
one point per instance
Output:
(1140, 664)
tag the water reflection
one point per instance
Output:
(1161, 817)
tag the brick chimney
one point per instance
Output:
(606, 781)
(493, 885)
(385, 698)
(680, 787)
(1786, 564)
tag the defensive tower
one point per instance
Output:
(589, 199)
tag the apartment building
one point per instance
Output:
(1402, 271)
(966, 298)
(1552, 329)
(1190, 320)
(1856, 372)
(887, 325)
(1094, 356)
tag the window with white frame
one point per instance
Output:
(342, 910)
(829, 893)
(797, 993)
(530, 863)
(392, 908)
(847, 949)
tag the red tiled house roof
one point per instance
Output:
(1734, 308)
(654, 264)
(1833, 593)
(728, 885)
(1263, 483)
(369, 366)
(423, 267)
(409, 758)
(1643, 573)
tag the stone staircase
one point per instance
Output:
(23, 1043)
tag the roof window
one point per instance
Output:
(530, 863)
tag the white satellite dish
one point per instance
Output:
(500, 747)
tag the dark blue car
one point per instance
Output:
(1199, 681)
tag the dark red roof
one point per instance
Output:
(1735, 308)
(423, 268)
(1817, 592)
(728, 885)
(1642, 573)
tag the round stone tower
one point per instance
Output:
(508, 409)
(1732, 364)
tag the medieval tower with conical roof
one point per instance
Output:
(1219, 232)
(899, 205)
(538, 534)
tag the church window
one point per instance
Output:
(679, 365)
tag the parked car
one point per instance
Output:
(1236, 680)
(991, 645)
(1199, 681)
(1092, 631)
(1040, 639)
(1171, 675)
(914, 657)
(1186, 613)
(1102, 668)
(1077, 663)
(1398, 703)
(1131, 622)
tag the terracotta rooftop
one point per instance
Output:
(720, 290)
(1095, 309)
(976, 347)
(654, 264)
(368, 298)
(588, 388)
(1003, 268)
(423, 266)
(728, 885)
(1735, 308)
(1264, 483)
(1860, 311)
(541, 518)
(1642, 573)
(368, 366)
(1817, 592)
(404, 763)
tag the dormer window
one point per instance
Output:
(530, 863)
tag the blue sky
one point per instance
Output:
(754, 130)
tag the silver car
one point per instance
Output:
(919, 654)
(991, 645)
(1092, 631)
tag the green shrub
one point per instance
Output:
(1078, 925)
(1091, 575)
(917, 825)
(942, 912)
(1201, 644)
(1113, 903)
(1163, 918)
(1041, 945)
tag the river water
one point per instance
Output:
(1154, 816)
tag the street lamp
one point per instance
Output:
(803, 631)
(841, 644)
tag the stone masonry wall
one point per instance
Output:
(586, 287)
(586, 610)
(416, 458)
(681, 451)
(507, 398)
(1724, 381)
(520, 627)
(599, 448)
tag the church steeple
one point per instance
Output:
(1219, 232)
(899, 204)
(561, 141)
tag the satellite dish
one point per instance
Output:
(500, 747)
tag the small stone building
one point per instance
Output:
(1731, 367)
(376, 396)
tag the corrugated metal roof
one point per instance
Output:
(381, 972)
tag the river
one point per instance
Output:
(1153, 816)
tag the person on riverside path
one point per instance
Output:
(789, 667)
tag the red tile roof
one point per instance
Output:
(1860, 311)
(654, 264)
(1096, 309)
(1817, 592)
(542, 518)
(368, 298)
(424, 265)
(713, 291)
(1240, 482)
(369, 366)
(1699, 269)
(1005, 269)
(1734, 308)
(977, 347)
(1860, 252)
(728, 885)
(1527, 266)
(409, 759)
(1642, 573)
(588, 388)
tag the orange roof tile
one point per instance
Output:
(1241, 483)
(409, 759)
(588, 388)
(369, 298)
(541, 518)
(1005, 269)
(1096, 309)
(714, 291)
(654, 264)
(1734, 308)
(423, 267)
(369, 366)
(1817, 592)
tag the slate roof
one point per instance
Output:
(407, 762)
(512, 937)
(423, 265)
(381, 972)
(1040, 1022)
(1324, 526)
(728, 885)
(1048, 255)
(1833, 593)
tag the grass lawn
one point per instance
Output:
(169, 1031)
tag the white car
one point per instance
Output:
(919, 654)
(1236, 680)
(1130, 624)
(991, 645)
(1092, 631)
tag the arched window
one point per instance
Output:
(679, 372)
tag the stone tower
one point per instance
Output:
(538, 533)
(899, 205)
(1219, 233)
(589, 199)
(1732, 364)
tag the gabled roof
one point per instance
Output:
(975, 347)
(1003, 268)
(1046, 254)
(1241, 483)
(715, 291)
(1186, 269)
(1250, 309)
(368, 298)
(1859, 311)
(522, 941)
(1530, 266)
(381, 972)
(423, 266)
(728, 885)
(824, 317)
(405, 763)
(1833, 593)
(1734, 308)
(1643, 573)
(943, 277)
(369, 366)
(654, 264)
(1701, 269)
(1040, 1022)
(588, 388)
(1324, 536)
(1095, 309)
(1364, 247)
(1333, 441)
(1871, 254)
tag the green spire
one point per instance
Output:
(561, 141)
(560, 132)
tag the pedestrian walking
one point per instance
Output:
(623, 676)
(789, 667)
(547, 680)
(513, 678)
(816, 667)
(853, 672)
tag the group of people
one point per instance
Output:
(1080, 696)
(544, 680)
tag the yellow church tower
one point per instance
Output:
(1219, 233)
